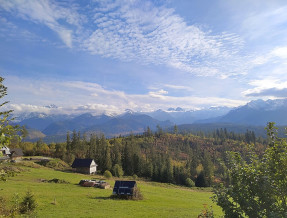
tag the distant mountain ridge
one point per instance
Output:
(254, 113)
(56, 127)
(180, 116)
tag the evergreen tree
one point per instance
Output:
(169, 171)
(175, 129)
(127, 160)
(107, 161)
(208, 170)
(68, 142)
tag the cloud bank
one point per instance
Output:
(80, 97)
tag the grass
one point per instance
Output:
(72, 200)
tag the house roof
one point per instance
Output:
(124, 187)
(16, 152)
(82, 163)
(125, 184)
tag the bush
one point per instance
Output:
(137, 194)
(206, 212)
(28, 205)
(8, 171)
(4, 211)
(57, 164)
(117, 170)
(135, 176)
(108, 174)
(60, 181)
(189, 182)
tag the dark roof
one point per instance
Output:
(128, 184)
(82, 163)
(124, 187)
(16, 152)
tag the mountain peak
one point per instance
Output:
(268, 105)
(129, 111)
(51, 106)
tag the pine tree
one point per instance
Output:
(108, 161)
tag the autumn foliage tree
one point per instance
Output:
(7, 130)
(258, 187)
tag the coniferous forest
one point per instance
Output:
(183, 159)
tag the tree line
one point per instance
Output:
(160, 156)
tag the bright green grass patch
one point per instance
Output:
(72, 200)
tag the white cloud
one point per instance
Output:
(178, 87)
(139, 31)
(269, 87)
(280, 52)
(80, 97)
(158, 94)
(45, 12)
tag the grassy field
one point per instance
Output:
(72, 200)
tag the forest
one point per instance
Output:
(184, 159)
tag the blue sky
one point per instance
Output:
(108, 55)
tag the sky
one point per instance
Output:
(106, 56)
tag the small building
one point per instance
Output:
(5, 151)
(86, 166)
(16, 153)
(124, 187)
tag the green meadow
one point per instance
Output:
(72, 200)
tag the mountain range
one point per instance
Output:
(254, 114)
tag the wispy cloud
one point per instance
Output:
(140, 31)
(137, 31)
(46, 12)
(266, 24)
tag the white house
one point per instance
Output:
(5, 151)
(86, 166)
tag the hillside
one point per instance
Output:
(71, 200)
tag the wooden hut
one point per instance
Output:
(124, 187)
(16, 153)
(86, 166)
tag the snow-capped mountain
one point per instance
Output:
(180, 116)
(258, 112)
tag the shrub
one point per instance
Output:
(4, 211)
(28, 204)
(189, 182)
(206, 212)
(57, 164)
(117, 170)
(137, 194)
(8, 171)
(61, 181)
(135, 176)
(108, 174)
